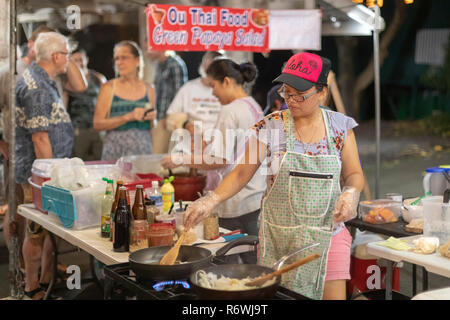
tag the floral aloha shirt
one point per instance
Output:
(39, 107)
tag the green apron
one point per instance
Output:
(298, 211)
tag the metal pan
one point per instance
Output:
(241, 271)
(145, 262)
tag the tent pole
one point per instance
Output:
(16, 288)
(376, 56)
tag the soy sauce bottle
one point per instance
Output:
(122, 221)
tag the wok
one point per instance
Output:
(145, 262)
(241, 271)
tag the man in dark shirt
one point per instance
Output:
(171, 74)
(88, 144)
(43, 131)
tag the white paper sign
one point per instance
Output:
(295, 29)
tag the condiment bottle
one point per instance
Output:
(121, 238)
(108, 199)
(211, 227)
(139, 209)
(114, 208)
(152, 210)
(168, 194)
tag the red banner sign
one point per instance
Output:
(184, 28)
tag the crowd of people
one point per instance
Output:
(65, 109)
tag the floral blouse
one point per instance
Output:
(272, 132)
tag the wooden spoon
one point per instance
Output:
(258, 282)
(171, 256)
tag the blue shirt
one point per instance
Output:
(39, 107)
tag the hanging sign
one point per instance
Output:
(186, 28)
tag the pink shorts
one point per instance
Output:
(338, 265)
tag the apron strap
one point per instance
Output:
(331, 145)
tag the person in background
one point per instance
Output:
(43, 131)
(122, 106)
(195, 101)
(171, 74)
(88, 144)
(239, 112)
(308, 150)
(275, 102)
(73, 81)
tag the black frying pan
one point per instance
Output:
(241, 271)
(237, 271)
(145, 262)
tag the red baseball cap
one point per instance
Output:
(303, 70)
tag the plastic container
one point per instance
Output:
(160, 234)
(436, 218)
(410, 212)
(40, 172)
(76, 209)
(379, 211)
(138, 235)
(211, 227)
(165, 218)
(434, 180)
(142, 164)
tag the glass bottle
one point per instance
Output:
(121, 240)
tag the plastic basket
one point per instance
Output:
(75, 209)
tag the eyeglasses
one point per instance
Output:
(295, 97)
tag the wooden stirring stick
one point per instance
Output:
(258, 282)
(171, 256)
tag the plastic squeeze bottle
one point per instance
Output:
(168, 194)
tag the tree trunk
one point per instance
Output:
(346, 79)
(367, 76)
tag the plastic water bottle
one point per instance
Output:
(156, 195)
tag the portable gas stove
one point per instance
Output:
(120, 283)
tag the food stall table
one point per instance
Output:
(434, 263)
(439, 294)
(397, 230)
(90, 241)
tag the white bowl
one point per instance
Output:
(410, 212)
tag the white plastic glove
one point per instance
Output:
(200, 209)
(346, 205)
(176, 120)
(174, 161)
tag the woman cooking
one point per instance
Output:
(239, 112)
(308, 151)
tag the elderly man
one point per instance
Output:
(43, 130)
(72, 81)
(171, 74)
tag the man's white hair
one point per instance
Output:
(48, 43)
